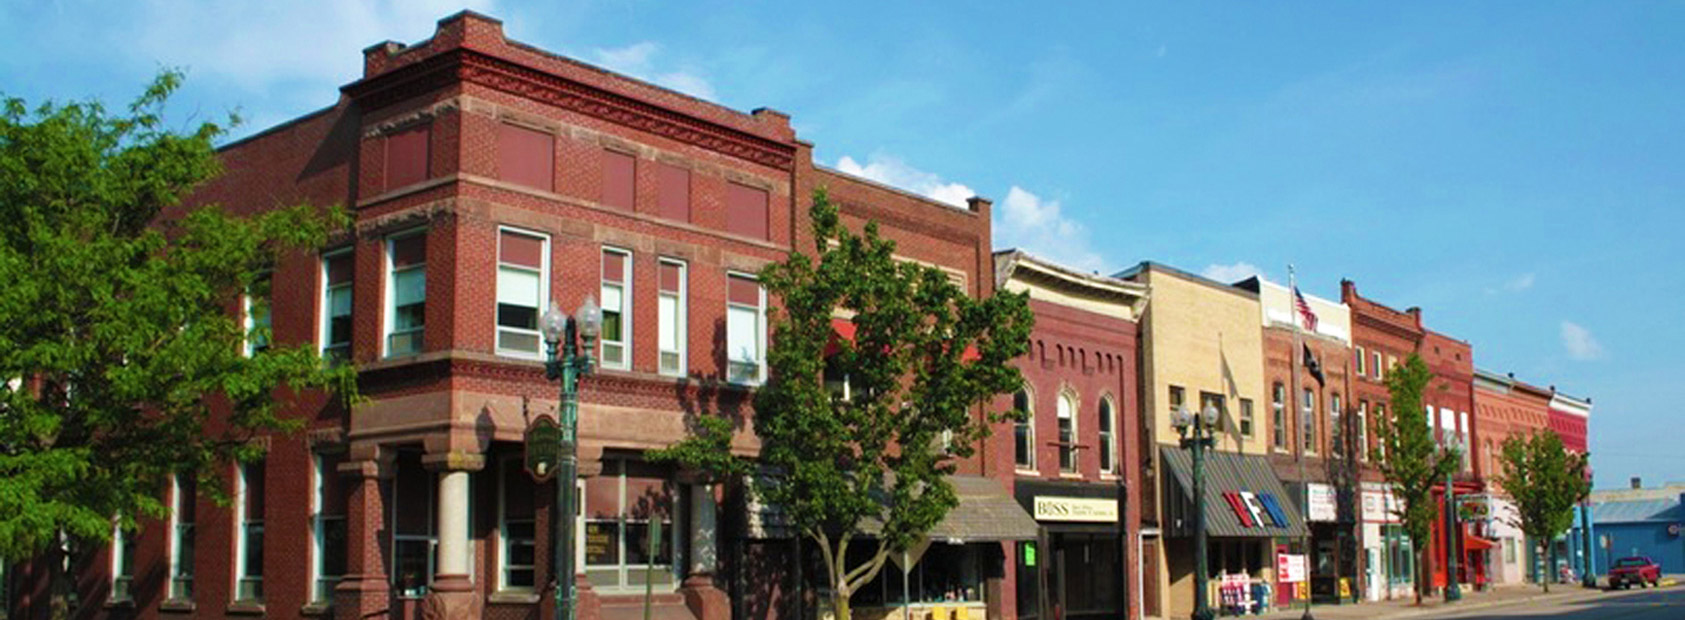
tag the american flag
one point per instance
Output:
(1305, 314)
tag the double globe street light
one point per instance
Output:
(1198, 432)
(575, 336)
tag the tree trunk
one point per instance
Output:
(839, 605)
(1421, 574)
(1550, 563)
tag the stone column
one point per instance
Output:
(364, 591)
(704, 598)
(452, 595)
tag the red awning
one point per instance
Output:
(1476, 543)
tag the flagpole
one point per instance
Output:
(1304, 482)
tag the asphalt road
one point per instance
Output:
(1664, 604)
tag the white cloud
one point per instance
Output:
(893, 172)
(641, 60)
(1517, 284)
(1580, 343)
(1029, 222)
(1229, 274)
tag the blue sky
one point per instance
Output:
(1515, 168)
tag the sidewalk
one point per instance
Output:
(1406, 607)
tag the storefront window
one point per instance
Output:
(1401, 564)
(944, 574)
(413, 538)
(620, 507)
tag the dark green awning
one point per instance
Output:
(1226, 473)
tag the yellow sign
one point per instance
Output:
(1345, 587)
(1086, 509)
(1302, 590)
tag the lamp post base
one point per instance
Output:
(1453, 593)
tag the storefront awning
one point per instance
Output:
(1243, 498)
(985, 514)
(1476, 543)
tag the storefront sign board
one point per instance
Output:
(1085, 509)
(1320, 502)
(1290, 567)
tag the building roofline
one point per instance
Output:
(1147, 265)
(1009, 260)
(971, 209)
(282, 126)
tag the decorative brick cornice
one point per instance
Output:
(462, 65)
(1384, 325)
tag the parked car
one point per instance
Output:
(1634, 570)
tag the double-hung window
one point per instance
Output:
(745, 332)
(327, 528)
(1066, 412)
(617, 309)
(1336, 429)
(1107, 422)
(122, 564)
(255, 306)
(1246, 422)
(1278, 416)
(516, 527)
(248, 522)
(183, 498)
(1380, 445)
(1361, 437)
(1024, 431)
(336, 305)
(671, 315)
(522, 286)
(1307, 414)
(406, 293)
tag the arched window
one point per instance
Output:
(1067, 432)
(1107, 422)
(1024, 431)
(1278, 416)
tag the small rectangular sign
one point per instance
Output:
(1085, 509)
(1320, 502)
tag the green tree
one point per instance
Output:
(868, 463)
(1545, 481)
(116, 337)
(1411, 461)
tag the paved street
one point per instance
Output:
(1666, 604)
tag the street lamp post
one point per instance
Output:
(1197, 433)
(560, 331)
(1452, 591)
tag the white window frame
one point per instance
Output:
(1247, 419)
(1376, 369)
(248, 323)
(626, 293)
(242, 572)
(543, 295)
(1336, 448)
(175, 536)
(1107, 434)
(760, 328)
(503, 564)
(318, 529)
(681, 319)
(1362, 431)
(389, 315)
(672, 532)
(1030, 434)
(325, 327)
(1065, 409)
(1307, 422)
(1281, 433)
(122, 574)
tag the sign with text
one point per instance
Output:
(1289, 567)
(1085, 509)
(1474, 507)
(1380, 506)
(543, 442)
(1319, 502)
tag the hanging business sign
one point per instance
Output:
(543, 442)
(1084, 509)
(1474, 507)
(1319, 502)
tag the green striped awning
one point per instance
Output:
(1230, 479)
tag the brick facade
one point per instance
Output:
(422, 143)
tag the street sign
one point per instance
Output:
(543, 442)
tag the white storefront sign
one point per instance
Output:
(1290, 568)
(1320, 503)
(1085, 509)
(1379, 504)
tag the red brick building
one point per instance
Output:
(1504, 407)
(1071, 464)
(1383, 337)
(487, 179)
